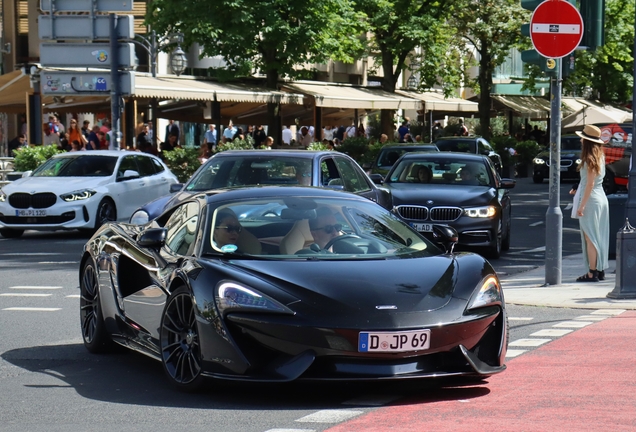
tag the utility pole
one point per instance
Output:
(115, 92)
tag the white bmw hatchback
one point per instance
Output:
(82, 190)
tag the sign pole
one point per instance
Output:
(554, 216)
(115, 94)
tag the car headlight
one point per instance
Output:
(231, 296)
(489, 294)
(78, 195)
(140, 217)
(481, 212)
(538, 161)
(3, 196)
(578, 161)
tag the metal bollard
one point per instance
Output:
(625, 264)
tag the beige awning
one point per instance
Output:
(595, 115)
(14, 88)
(433, 101)
(333, 95)
(525, 106)
(191, 88)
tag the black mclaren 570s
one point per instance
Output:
(284, 283)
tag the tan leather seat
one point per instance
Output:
(297, 238)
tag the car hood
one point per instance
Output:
(352, 293)
(417, 194)
(56, 185)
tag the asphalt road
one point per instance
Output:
(49, 382)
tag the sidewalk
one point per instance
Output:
(527, 288)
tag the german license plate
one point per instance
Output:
(564, 168)
(413, 340)
(423, 227)
(30, 213)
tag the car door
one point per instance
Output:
(152, 181)
(131, 192)
(165, 180)
(354, 180)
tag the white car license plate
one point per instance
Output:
(564, 168)
(30, 213)
(413, 340)
(423, 227)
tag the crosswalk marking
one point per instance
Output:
(520, 318)
(290, 430)
(57, 262)
(32, 287)
(573, 324)
(329, 416)
(591, 318)
(73, 296)
(608, 312)
(514, 352)
(24, 295)
(551, 332)
(529, 342)
(31, 309)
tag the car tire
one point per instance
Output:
(179, 343)
(505, 242)
(494, 250)
(537, 178)
(106, 212)
(609, 183)
(11, 233)
(94, 334)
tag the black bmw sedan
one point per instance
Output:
(331, 286)
(461, 190)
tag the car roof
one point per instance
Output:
(307, 154)
(457, 138)
(458, 156)
(116, 153)
(405, 146)
(274, 191)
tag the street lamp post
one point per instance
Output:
(178, 62)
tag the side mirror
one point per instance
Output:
(507, 183)
(176, 187)
(153, 238)
(27, 173)
(377, 178)
(129, 175)
(446, 236)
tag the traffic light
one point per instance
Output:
(593, 13)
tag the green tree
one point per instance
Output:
(492, 28)
(274, 37)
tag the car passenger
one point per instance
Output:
(424, 174)
(468, 177)
(227, 228)
(324, 227)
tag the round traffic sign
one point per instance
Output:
(556, 28)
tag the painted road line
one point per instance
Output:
(514, 353)
(33, 287)
(536, 224)
(24, 295)
(290, 430)
(58, 262)
(591, 318)
(551, 332)
(31, 309)
(529, 342)
(520, 318)
(73, 296)
(573, 324)
(329, 416)
(608, 312)
(372, 400)
(32, 253)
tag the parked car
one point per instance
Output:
(243, 168)
(390, 153)
(82, 190)
(570, 160)
(474, 145)
(618, 152)
(463, 191)
(261, 300)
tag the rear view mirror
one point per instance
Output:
(176, 187)
(377, 178)
(507, 183)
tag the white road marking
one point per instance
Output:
(24, 295)
(372, 400)
(32, 253)
(33, 287)
(608, 312)
(573, 324)
(58, 262)
(73, 296)
(329, 416)
(31, 309)
(536, 224)
(520, 318)
(551, 332)
(529, 342)
(514, 353)
(290, 430)
(591, 318)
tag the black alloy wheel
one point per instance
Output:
(179, 342)
(494, 251)
(96, 339)
(11, 233)
(106, 212)
(505, 243)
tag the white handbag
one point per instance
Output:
(575, 203)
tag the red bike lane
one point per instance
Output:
(584, 381)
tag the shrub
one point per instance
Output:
(317, 146)
(355, 147)
(31, 157)
(183, 162)
(527, 151)
(237, 144)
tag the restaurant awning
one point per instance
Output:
(433, 101)
(197, 89)
(14, 88)
(333, 95)
(595, 115)
(533, 107)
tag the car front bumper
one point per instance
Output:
(61, 216)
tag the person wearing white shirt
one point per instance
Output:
(287, 135)
(327, 133)
(350, 132)
(49, 137)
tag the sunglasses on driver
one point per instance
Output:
(230, 228)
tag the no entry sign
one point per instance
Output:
(556, 28)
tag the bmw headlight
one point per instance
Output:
(231, 296)
(538, 161)
(489, 294)
(578, 161)
(78, 195)
(3, 196)
(140, 217)
(481, 212)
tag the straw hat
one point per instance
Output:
(591, 133)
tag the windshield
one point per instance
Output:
(227, 171)
(314, 228)
(81, 166)
(389, 156)
(440, 171)
(457, 145)
(572, 143)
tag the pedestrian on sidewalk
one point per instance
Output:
(593, 208)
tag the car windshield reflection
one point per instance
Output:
(81, 166)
